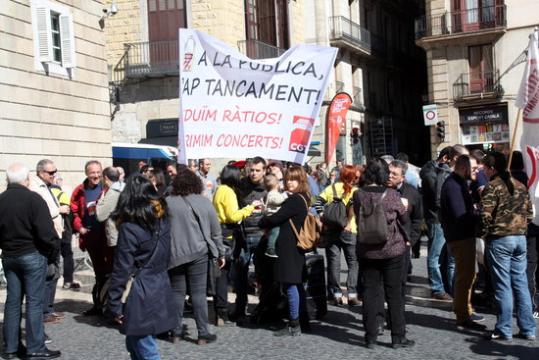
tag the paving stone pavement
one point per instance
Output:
(338, 336)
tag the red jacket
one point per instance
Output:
(78, 209)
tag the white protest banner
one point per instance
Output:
(528, 101)
(235, 107)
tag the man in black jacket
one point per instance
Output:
(412, 200)
(459, 222)
(27, 240)
(433, 175)
(252, 192)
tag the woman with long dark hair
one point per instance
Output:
(195, 239)
(289, 264)
(506, 211)
(225, 202)
(143, 251)
(382, 262)
(341, 239)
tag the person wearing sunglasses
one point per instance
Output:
(45, 173)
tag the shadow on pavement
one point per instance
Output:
(437, 322)
(483, 346)
(77, 307)
(338, 326)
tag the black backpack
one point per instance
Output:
(372, 227)
(335, 213)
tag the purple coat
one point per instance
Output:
(394, 209)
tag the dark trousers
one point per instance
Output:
(247, 252)
(69, 264)
(383, 274)
(406, 270)
(25, 276)
(531, 269)
(220, 299)
(101, 256)
(50, 293)
(345, 241)
(195, 276)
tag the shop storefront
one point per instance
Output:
(485, 127)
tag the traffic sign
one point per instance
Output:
(430, 114)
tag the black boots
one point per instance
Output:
(293, 329)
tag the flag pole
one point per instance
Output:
(519, 115)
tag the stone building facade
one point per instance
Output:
(143, 62)
(475, 50)
(54, 96)
(380, 67)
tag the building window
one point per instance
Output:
(481, 65)
(267, 21)
(164, 19)
(55, 33)
(54, 40)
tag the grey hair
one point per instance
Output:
(387, 158)
(91, 162)
(17, 173)
(399, 164)
(461, 149)
(41, 165)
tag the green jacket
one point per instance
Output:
(503, 214)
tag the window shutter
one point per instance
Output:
(44, 34)
(68, 41)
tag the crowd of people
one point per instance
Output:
(163, 241)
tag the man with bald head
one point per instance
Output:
(27, 239)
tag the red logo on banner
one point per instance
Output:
(301, 134)
(336, 122)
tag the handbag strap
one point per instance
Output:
(195, 215)
(335, 196)
(149, 259)
(294, 229)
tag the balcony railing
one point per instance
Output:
(256, 49)
(358, 100)
(339, 86)
(483, 83)
(147, 59)
(464, 21)
(344, 29)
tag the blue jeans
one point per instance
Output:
(142, 347)
(25, 276)
(507, 261)
(297, 302)
(435, 246)
(273, 234)
(242, 270)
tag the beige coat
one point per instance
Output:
(105, 207)
(37, 185)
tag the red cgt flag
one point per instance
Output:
(336, 122)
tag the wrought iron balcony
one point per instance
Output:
(147, 59)
(339, 86)
(256, 49)
(460, 22)
(358, 100)
(344, 32)
(483, 85)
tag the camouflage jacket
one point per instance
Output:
(503, 214)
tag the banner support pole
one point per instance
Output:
(519, 115)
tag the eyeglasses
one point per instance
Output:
(51, 173)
